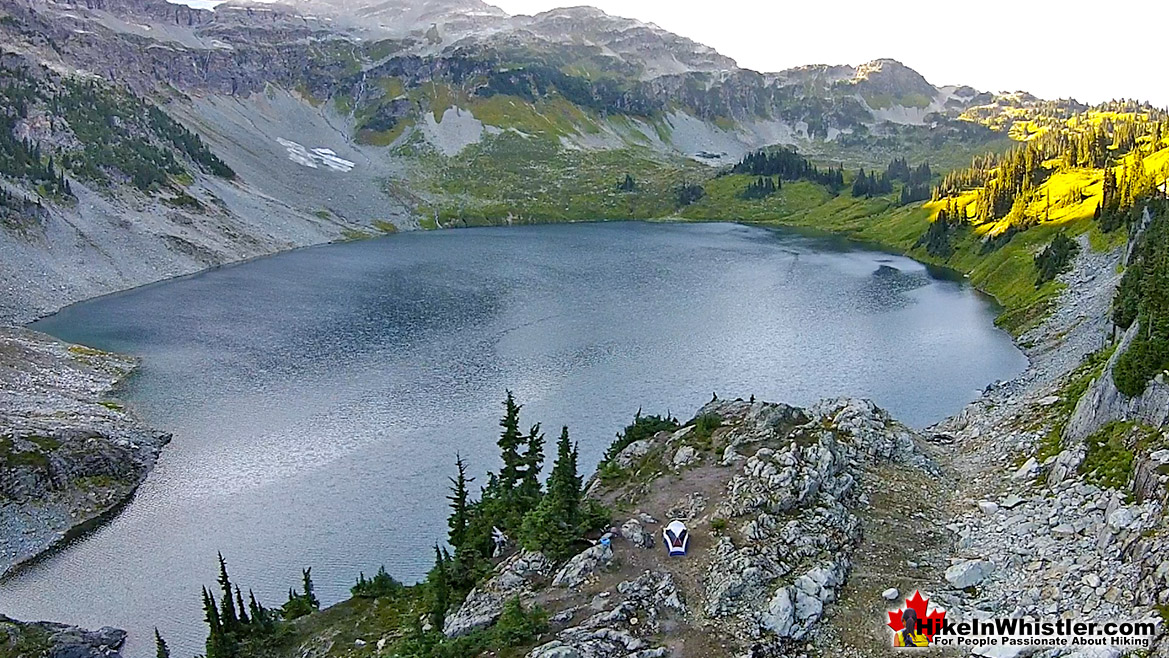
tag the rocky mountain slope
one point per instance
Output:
(143, 140)
(340, 121)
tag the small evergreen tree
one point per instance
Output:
(439, 590)
(227, 613)
(460, 507)
(564, 483)
(509, 446)
(533, 463)
(160, 648)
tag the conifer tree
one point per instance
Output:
(460, 511)
(309, 590)
(564, 483)
(227, 612)
(160, 648)
(239, 605)
(440, 590)
(533, 463)
(509, 446)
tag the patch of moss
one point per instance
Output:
(352, 234)
(1111, 452)
(23, 641)
(82, 350)
(385, 226)
(1073, 389)
(13, 458)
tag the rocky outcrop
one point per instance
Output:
(582, 567)
(625, 630)
(69, 454)
(770, 497)
(518, 576)
(50, 640)
(1103, 403)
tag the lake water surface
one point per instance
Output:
(318, 398)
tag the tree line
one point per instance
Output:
(1143, 297)
(787, 164)
(1005, 185)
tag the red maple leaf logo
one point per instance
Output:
(931, 621)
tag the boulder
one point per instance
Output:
(633, 452)
(780, 614)
(1120, 518)
(969, 573)
(1012, 501)
(636, 534)
(685, 456)
(582, 566)
(1027, 471)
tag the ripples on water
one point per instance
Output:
(318, 398)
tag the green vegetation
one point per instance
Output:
(96, 132)
(642, 428)
(121, 132)
(161, 650)
(381, 585)
(22, 160)
(1073, 389)
(688, 193)
(787, 164)
(1143, 297)
(23, 640)
(1111, 451)
(12, 458)
(511, 177)
(704, 427)
(1055, 258)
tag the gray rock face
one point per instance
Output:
(622, 631)
(633, 531)
(516, 576)
(578, 570)
(685, 456)
(633, 452)
(1103, 403)
(792, 501)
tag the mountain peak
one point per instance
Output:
(889, 76)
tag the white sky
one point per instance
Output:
(1041, 46)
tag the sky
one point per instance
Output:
(1040, 46)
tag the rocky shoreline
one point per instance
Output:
(72, 454)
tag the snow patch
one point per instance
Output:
(315, 157)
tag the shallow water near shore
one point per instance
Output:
(318, 398)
